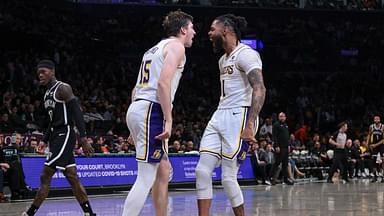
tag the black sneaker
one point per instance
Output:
(288, 182)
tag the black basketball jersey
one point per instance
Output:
(377, 133)
(57, 110)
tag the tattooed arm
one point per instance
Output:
(255, 78)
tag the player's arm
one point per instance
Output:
(377, 144)
(65, 93)
(47, 134)
(173, 56)
(255, 78)
(333, 142)
(369, 136)
(250, 62)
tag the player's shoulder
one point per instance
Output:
(174, 44)
(64, 85)
(64, 88)
(246, 50)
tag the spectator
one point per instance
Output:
(266, 129)
(99, 143)
(31, 146)
(261, 167)
(353, 158)
(294, 144)
(15, 173)
(3, 168)
(176, 147)
(5, 125)
(301, 134)
(78, 149)
(42, 148)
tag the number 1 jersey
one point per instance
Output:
(234, 68)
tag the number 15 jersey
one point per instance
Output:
(234, 68)
(150, 70)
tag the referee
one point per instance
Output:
(340, 162)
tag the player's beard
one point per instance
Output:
(217, 43)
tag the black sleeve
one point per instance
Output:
(74, 108)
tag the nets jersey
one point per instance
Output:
(150, 70)
(234, 68)
(56, 108)
(377, 133)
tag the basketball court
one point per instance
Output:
(307, 199)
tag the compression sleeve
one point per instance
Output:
(74, 108)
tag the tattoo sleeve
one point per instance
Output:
(255, 78)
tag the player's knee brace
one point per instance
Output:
(203, 182)
(232, 189)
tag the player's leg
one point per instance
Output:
(204, 169)
(42, 193)
(78, 189)
(138, 194)
(231, 186)
(160, 187)
(144, 126)
(210, 155)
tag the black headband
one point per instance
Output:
(46, 64)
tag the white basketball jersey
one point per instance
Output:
(149, 74)
(235, 88)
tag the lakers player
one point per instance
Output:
(235, 121)
(149, 117)
(376, 143)
(64, 112)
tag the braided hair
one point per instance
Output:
(237, 23)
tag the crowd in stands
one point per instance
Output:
(308, 4)
(303, 4)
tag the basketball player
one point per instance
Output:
(64, 112)
(149, 117)
(376, 143)
(234, 123)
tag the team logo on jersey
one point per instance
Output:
(228, 69)
(49, 103)
(243, 155)
(156, 154)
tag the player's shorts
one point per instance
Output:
(145, 120)
(221, 137)
(61, 145)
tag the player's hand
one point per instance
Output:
(167, 131)
(248, 134)
(87, 148)
(130, 140)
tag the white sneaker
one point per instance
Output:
(24, 214)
